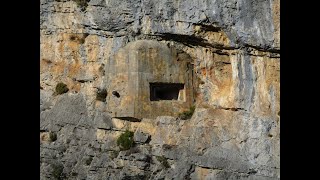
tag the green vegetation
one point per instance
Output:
(101, 95)
(61, 88)
(125, 140)
(52, 136)
(57, 171)
(163, 161)
(82, 4)
(187, 114)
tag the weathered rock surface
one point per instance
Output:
(234, 49)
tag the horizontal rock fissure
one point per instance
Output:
(84, 80)
(107, 129)
(190, 40)
(277, 51)
(207, 27)
(219, 169)
(232, 109)
(131, 119)
(251, 172)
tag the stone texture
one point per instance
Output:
(233, 49)
(139, 63)
(141, 137)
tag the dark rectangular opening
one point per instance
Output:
(165, 91)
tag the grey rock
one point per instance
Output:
(102, 121)
(219, 158)
(69, 109)
(247, 21)
(141, 137)
(140, 157)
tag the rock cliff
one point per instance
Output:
(106, 52)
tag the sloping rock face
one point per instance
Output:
(233, 48)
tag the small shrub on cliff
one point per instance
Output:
(79, 38)
(82, 3)
(52, 136)
(163, 161)
(101, 95)
(73, 38)
(125, 140)
(61, 88)
(187, 114)
(57, 171)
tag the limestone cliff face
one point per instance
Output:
(233, 50)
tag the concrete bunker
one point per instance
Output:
(150, 81)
